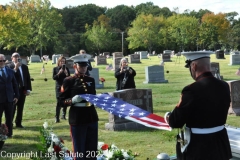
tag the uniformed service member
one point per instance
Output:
(203, 109)
(83, 118)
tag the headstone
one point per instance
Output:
(117, 55)
(215, 69)
(143, 54)
(234, 139)
(55, 57)
(155, 74)
(116, 63)
(35, 58)
(8, 57)
(106, 54)
(235, 52)
(141, 98)
(134, 58)
(69, 65)
(220, 54)
(234, 108)
(100, 60)
(95, 74)
(24, 61)
(166, 56)
(234, 59)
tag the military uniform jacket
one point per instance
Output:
(75, 85)
(204, 104)
(130, 83)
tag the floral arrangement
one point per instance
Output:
(3, 132)
(112, 152)
(51, 146)
(102, 79)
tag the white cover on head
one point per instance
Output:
(197, 55)
(80, 58)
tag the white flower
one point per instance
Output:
(125, 154)
(45, 125)
(55, 139)
(50, 149)
(100, 144)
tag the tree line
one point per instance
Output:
(36, 27)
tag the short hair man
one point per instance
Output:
(203, 108)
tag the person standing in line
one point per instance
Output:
(83, 117)
(9, 93)
(203, 109)
(89, 68)
(22, 76)
(125, 76)
(60, 72)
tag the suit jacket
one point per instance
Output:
(26, 78)
(9, 87)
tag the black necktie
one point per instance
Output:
(3, 74)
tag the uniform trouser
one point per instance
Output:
(85, 140)
(7, 108)
(19, 108)
(58, 109)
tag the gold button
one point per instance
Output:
(81, 79)
(86, 90)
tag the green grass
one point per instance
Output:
(40, 107)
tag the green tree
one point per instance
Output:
(13, 28)
(44, 22)
(145, 32)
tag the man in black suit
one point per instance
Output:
(8, 92)
(22, 76)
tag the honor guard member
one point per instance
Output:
(203, 109)
(83, 118)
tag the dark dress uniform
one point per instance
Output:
(204, 105)
(58, 83)
(83, 120)
(130, 83)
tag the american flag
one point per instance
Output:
(125, 110)
(43, 69)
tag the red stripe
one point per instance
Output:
(152, 123)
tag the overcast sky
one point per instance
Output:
(215, 6)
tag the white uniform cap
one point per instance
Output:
(192, 56)
(80, 58)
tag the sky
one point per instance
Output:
(215, 6)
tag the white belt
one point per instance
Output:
(86, 104)
(207, 130)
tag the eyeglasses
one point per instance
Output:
(2, 60)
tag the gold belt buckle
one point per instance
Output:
(88, 104)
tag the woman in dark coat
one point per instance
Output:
(59, 74)
(125, 76)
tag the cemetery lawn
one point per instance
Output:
(40, 107)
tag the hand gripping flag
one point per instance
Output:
(125, 110)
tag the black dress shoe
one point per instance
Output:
(19, 126)
(57, 120)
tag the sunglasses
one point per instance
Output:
(2, 60)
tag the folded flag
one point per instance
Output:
(126, 110)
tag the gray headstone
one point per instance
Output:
(141, 98)
(35, 58)
(69, 65)
(117, 55)
(95, 74)
(106, 54)
(155, 74)
(134, 58)
(143, 54)
(100, 60)
(220, 54)
(116, 63)
(234, 59)
(24, 61)
(234, 108)
(215, 69)
(55, 57)
(8, 57)
(166, 56)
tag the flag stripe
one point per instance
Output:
(126, 110)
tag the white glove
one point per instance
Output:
(76, 99)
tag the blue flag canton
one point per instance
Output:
(115, 106)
